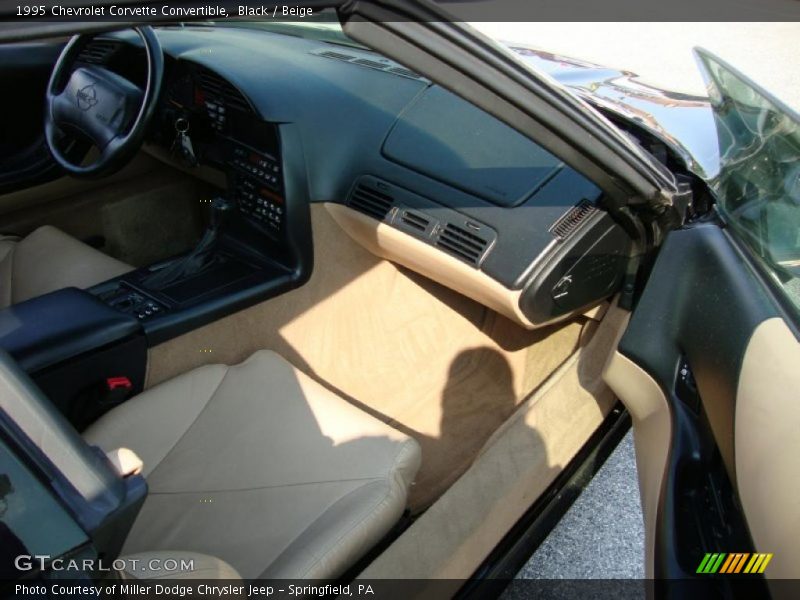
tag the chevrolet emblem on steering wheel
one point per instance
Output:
(87, 97)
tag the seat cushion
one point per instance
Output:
(48, 260)
(263, 467)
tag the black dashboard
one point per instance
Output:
(226, 133)
(383, 141)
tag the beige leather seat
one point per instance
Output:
(262, 467)
(48, 260)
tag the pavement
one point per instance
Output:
(661, 53)
(601, 536)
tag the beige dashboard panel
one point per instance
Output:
(394, 245)
(767, 438)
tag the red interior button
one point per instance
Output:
(118, 382)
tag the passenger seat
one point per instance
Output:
(262, 467)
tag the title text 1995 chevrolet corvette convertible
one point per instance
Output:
(359, 300)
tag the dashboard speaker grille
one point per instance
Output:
(403, 72)
(372, 64)
(569, 221)
(337, 55)
(371, 202)
(462, 243)
(384, 65)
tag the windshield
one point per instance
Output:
(758, 187)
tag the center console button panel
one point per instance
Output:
(258, 187)
(262, 167)
(134, 303)
(259, 203)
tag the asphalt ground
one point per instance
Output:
(601, 536)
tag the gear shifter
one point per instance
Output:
(202, 255)
(220, 211)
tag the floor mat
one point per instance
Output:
(451, 540)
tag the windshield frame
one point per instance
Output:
(324, 25)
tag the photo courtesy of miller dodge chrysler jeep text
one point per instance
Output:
(182, 591)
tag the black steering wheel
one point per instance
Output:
(101, 106)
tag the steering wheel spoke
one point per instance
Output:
(111, 149)
(105, 107)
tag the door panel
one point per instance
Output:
(689, 368)
(24, 72)
(768, 443)
(702, 301)
(649, 409)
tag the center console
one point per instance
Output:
(258, 241)
(257, 244)
(84, 355)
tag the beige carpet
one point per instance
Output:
(427, 360)
(522, 458)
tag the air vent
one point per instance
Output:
(414, 220)
(371, 202)
(98, 52)
(219, 90)
(463, 244)
(571, 219)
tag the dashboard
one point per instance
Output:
(449, 191)
(224, 132)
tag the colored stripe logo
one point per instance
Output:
(732, 563)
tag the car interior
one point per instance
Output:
(327, 282)
(325, 302)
